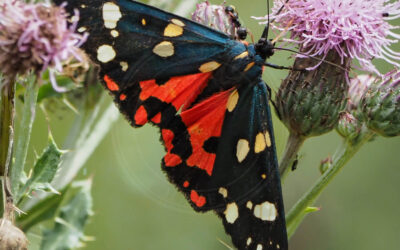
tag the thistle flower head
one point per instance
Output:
(353, 28)
(381, 105)
(215, 17)
(35, 37)
(309, 102)
(357, 88)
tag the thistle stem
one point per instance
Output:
(6, 143)
(341, 157)
(293, 145)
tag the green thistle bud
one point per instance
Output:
(351, 125)
(309, 102)
(381, 105)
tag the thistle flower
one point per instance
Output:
(35, 37)
(381, 105)
(215, 17)
(353, 28)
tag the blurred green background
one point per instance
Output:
(136, 208)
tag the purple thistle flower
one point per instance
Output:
(36, 37)
(215, 17)
(353, 28)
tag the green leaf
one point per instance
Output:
(21, 148)
(68, 230)
(44, 210)
(44, 171)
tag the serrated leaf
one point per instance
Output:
(44, 170)
(68, 230)
(44, 210)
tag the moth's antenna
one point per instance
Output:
(266, 29)
(308, 56)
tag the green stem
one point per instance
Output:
(21, 148)
(6, 144)
(293, 146)
(299, 210)
(6, 123)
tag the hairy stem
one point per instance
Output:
(299, 210)
(6, 143)
(293, 145)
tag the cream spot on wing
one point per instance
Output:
(242, 55)
(260, 143)
(277, 246)
(268, 139)
(223, 192)
(259, 247)
(265, 211)
(111, 15)
(248, 241)
(249, 66)
(83, 6)
(105, 53)
(82, 29)
(144, 22)
(270, 242)
(114, 33)
(209, 66)
(124, 66)
(164, 49)
(242, 149)
(173, 30)
(249, 205)
(233, 100)
(231, 213)
(177, 22)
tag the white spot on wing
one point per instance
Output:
(173, 30)
(259, 247)
(124, 66)
(268, 139)
(111, 15)
(242, 149)
(82, 29)
(233, 100)
(177, 22)
(223, 192)
(114, 33)
(105, 53)
(265, 211)
(209, 66)
(164, 49)
(231, 213)
(248, 241)
(260, 143)
(249, 205)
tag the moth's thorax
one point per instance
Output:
(240, 65)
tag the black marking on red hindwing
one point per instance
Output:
(234, 184)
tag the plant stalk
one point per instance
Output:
(299, 210)
(293, 146)
(6, 144)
